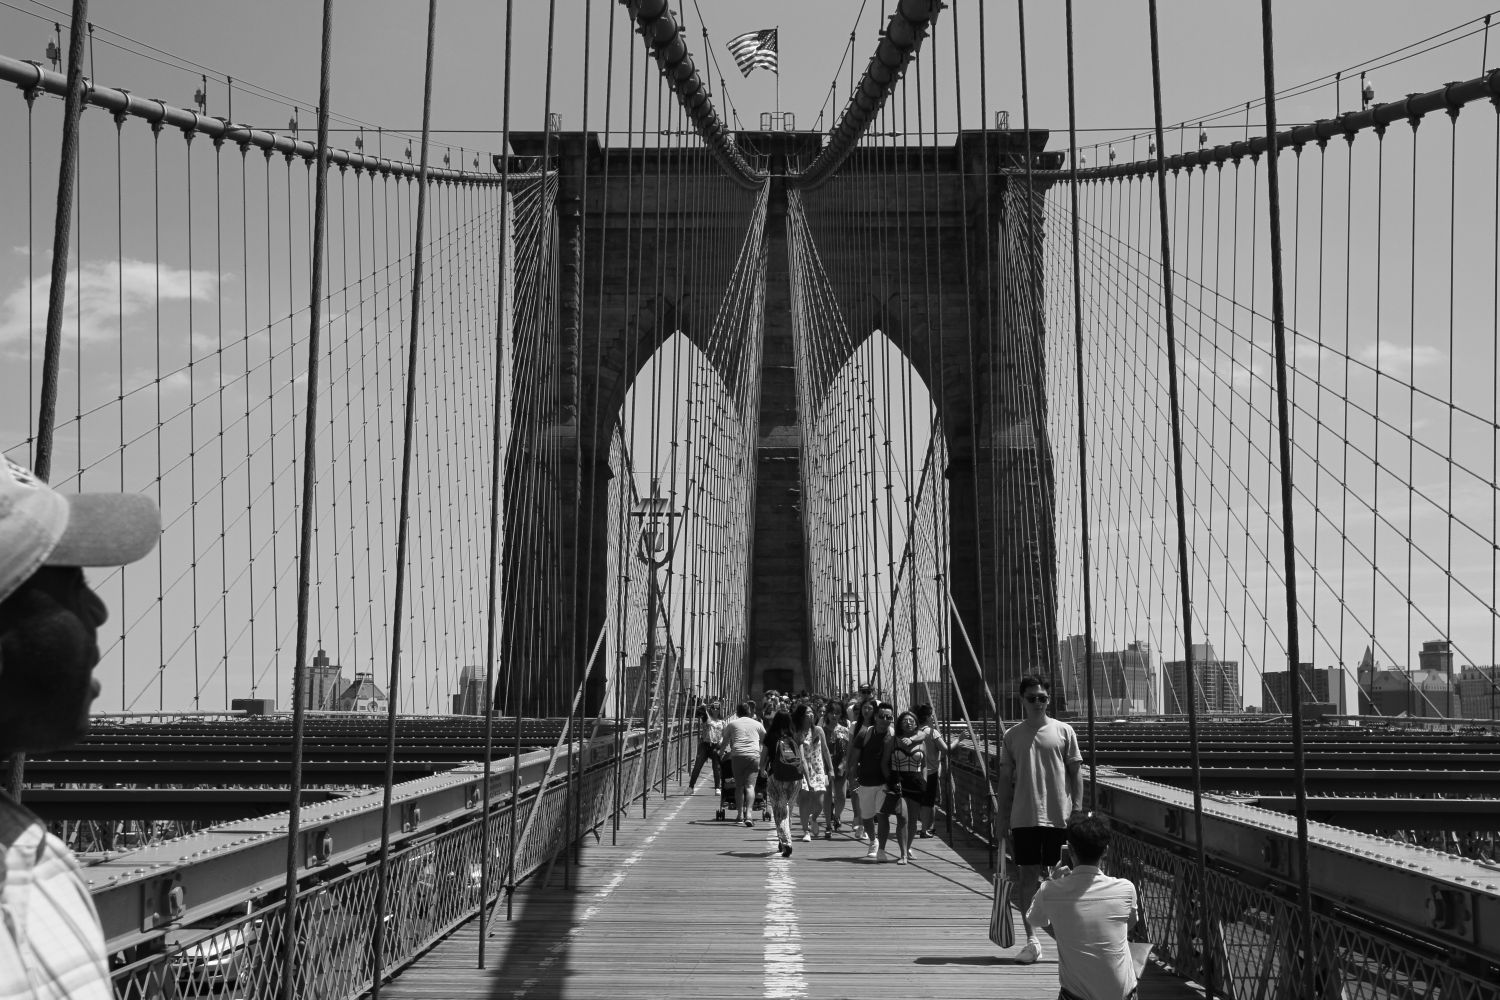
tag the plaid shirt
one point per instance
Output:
(51, 945)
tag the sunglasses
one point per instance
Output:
(886, 718)
(1035, 698)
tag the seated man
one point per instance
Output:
(1089, 914)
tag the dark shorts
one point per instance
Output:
(913, 786)
(1037, 845)
(930, 797)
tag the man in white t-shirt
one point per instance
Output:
(1040, 788)
(741, 740)
(1090, 915)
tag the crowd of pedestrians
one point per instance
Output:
(814, 759)
(817, 752)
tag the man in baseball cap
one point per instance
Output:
(50, 944)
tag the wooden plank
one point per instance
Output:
(685, 906)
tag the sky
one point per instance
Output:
(1211, 62)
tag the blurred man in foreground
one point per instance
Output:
(50, 942)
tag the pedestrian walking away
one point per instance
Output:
(741, 741)
(782, 762)
(1040, 788)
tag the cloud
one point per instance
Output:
(102, 296)
(1399, 357)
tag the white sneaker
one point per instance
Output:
(859, 835)
(870, 854)
(807, 838)
(1030, 953)
(881, 857)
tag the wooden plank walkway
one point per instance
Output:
(689, 907)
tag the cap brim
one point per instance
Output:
(107, 529)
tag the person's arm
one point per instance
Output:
(885, 757)
(851, 761)
(1075, 784)
(1005, 789)
(822, 739)
(1037, 915)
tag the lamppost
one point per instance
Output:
(654, 547)
(852, 603)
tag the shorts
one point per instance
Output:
(913, 786)
(1037, 845)
(869, 797)
(745, 771)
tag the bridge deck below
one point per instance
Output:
(688, 907)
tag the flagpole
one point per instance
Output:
(779, 122)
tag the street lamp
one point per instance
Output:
(654, 548)
(852, 604)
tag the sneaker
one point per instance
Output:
(1030, 953)
(807, 838)
(870, 854)
(925, 834)
(860, 836)
(786, 850)
(827, 834)
(881, 857)
(749, 823)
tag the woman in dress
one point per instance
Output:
(781, 758)
(817, 764)
(909, 774)
(836, 736)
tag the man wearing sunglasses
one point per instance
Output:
(1040, 789)
(869, 764)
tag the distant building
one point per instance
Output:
(1218, 683)
(1124, 681)
(1324, 688)
(470, 698)
(323, 682)
(1479, 692)
(363, 696)
(646, 684)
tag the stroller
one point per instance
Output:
(727, 798)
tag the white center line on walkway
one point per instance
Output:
(559, 946)
(783, 956)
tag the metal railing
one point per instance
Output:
(435, 884)
(1391, 921)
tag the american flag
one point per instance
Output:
(755, 49)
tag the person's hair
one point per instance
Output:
(780, 725)
(884, 706)
(1030, 681)
(906, 714)
(837, 707)
(871, 704)
(801, 714)
(866, 689)
(1088, 836)
(745, 708)
(924, 714)
(715, 712)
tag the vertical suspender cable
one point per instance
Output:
(413, 349)
(497, 462)
(1288, 537)
(309, 490)
(1183, 565)
(1083, 455)
(67, 174)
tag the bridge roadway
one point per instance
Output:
(686, 906)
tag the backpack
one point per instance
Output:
(780, 769)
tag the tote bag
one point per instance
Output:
(1002, 933)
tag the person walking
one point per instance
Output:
(836, 737)
(1090, 915)
(817, 765)
(782, 761)
(1040, 788)
(51, 944)
(741, 741)
(908, 773)
(936, 756)
(863, 715)
(710, 731)
(869, 765)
